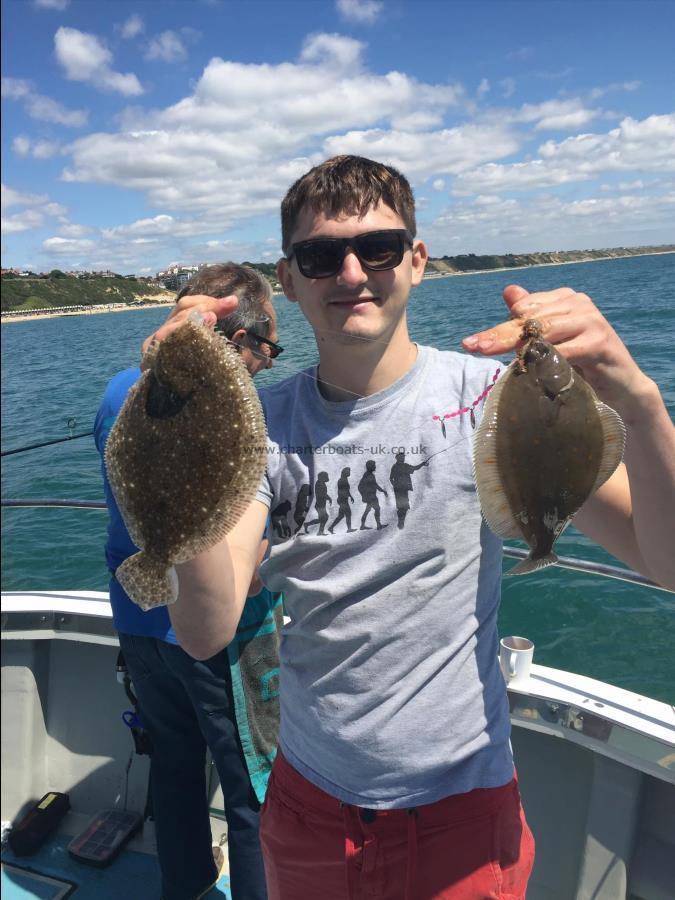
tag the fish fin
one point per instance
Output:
(533, 565)
(614, 434)
(213, 530)
(196, 317)
(150, 355)
(148, 583)
(493, 502)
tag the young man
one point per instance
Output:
(395, 776)
(228, 702)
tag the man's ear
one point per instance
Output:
(286, 279)
(420, 255)
(239, 337)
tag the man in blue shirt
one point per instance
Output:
(228, 702)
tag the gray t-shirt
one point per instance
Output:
(391, 692)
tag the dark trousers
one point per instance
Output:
(187, 705)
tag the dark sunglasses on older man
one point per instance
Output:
(377, 251)
(275, 349)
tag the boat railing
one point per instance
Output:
(564, 562)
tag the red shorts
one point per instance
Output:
(465, 847)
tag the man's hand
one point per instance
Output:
(574, 324)
(211, 308)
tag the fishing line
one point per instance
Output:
(71, 423)
(289, 367)
(470, 408)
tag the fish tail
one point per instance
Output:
(532, 564)
(147, 581)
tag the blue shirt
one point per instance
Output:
(253, 654)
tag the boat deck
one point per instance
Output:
(596, 766)
(52, 874)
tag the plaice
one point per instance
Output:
(184, 458)
(544, 446)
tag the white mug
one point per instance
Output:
(515, 658)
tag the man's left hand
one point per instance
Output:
(573, 323)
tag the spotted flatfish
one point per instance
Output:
(544, 446)
(184, 457)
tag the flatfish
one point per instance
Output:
(184, 457)
(544, 446)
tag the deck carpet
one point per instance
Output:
(132, 875)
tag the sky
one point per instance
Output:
(140, 133)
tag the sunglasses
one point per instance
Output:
(377, 251)
(275, 349)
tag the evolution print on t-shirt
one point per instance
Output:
(371, 496)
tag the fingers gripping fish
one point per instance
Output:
(184, 458)
(544, 446)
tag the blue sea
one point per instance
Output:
(55, 370)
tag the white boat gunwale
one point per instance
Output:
(617, 723)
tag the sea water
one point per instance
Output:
(55, 370)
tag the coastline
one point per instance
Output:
(567, 262)
(169, 301)
(93, 311)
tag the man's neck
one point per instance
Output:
(359, 368)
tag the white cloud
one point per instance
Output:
(250, 130)
(47, 110)
(536, 223)
(556, 115)
(332, 48)
(508, 86)
(449, 151)
(363, 12)
(59, 246)
(645, 145)
(36, 210)
(10, 197)
(71, 230)
(15, 88)
(84, 58)
(132, 27)
(21, 145)
(483, 88)
(166, 47)
(44, 109)
(52, 4)
(597, 92)
(24, 147)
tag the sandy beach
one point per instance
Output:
(169, 300)
(166, 300)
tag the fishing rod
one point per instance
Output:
(41, 502)
(71, 437)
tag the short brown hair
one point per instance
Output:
(251, 287)
(347, 185)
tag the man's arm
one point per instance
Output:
(213, 587)
(633, 514)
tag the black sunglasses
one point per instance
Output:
(275, 349)
(376, 250)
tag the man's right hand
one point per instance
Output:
(211, 308)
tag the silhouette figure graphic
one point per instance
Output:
(344, 497)
(402, 483)
(320, 499)
(280, 524)
(302, 505)
(368, 488)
